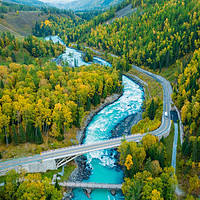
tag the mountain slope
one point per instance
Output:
(21, 24)
(35, 3)
(85, 4)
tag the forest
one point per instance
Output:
(147, 174)
(12, 50)
(46, 101)
(153, 38)
(39, 99)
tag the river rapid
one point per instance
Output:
(104, 163)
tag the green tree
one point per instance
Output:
(15, 138)
(22, 136)
(88, 105)
(39, 139)
(13, 57)
(152, 110)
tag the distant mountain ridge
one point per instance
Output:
(35, 3)
(85, 4)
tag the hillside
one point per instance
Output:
(35, 3)
(124, 12)
(22, 24)
(85, 4)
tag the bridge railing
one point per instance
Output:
(99, 142)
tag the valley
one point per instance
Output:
(98, 93)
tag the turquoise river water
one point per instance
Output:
(103, 163)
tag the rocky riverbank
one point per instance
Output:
(124, 127)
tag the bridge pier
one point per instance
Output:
(113, 192)
(87, 191)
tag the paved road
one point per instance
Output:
(112, 143)
(174, 146)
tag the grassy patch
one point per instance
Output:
(168, 142)
(155, 88)
(42, 39)
(67, 171)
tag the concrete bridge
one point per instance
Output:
(88, 187)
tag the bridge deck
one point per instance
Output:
(92, 185)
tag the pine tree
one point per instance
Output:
(152, 110)
(95, 100)
(198, 151)
(186, 146)
(39, 139)
(30, 132)
(2, 84)
(15, 138)
(148, 166)
(22, 135)
(105, 92)
(13, 57)
(88, 105)
(98, 99)
(9, 139)
(194, 151)
(57, 185)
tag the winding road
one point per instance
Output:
(77, 150)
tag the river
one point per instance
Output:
(72, 55)
(103, 163)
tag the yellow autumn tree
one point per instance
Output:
(155, 195)
(148, 141)
(129, 162)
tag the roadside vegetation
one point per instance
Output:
(186, 95)
(152, 105)
(147, 175)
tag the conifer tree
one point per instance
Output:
(105, 92)
(95, 100)
(57, 185)
(39, 139)
(148, 166)
(13, 57)
(88, 105)
(30, 133)
(22, 135)
(198, 151)
(152, 110)
(2, 84)
(194, 151)
(98, 99)
(15, 138)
